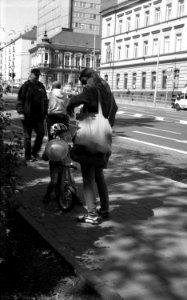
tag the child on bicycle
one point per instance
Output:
(57, 131)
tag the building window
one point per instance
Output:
(166, 44)
(108, 29)
(155, 46)
(135, 50)
(178, 44)
(176, 79)
(97, 61)
(77, 61)
(137, 21)
(67, 60)
(119, 52)
(117, 80)
(157, 14)
(66, 76)
(147, 18)
(134, 80)
(106, 77)
(153, 80)
(56, 62)
(164, 80)
(128, 25)
(144, 80)
(145, 48)
(180, 11)
(55, 76)
(46, 57)
(108, 53)
(120, 23)
(126, 51)
(168, 11)
(125, 80)
(87, 62)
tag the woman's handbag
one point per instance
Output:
(94, 132)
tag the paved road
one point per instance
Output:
(140, 252)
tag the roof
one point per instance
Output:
(30, 35)
(76, 39)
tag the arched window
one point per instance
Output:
(153, 80)
(125, 80)
(144, 80)
(134, 80)
(164, 79)
(117, 80)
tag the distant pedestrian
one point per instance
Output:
(57, 107)
(32, 105)
(93, 86)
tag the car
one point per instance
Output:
(181, 101)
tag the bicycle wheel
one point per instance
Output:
(65, 199)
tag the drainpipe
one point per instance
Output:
(114, 50)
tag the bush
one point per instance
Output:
(10, 146)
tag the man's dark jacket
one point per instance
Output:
(25, 97)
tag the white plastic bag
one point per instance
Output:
(95, 132)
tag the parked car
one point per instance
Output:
(181, 101)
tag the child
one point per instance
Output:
(57, 107)
(55, 167)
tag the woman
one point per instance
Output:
(90, 173)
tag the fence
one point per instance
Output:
(162, 99)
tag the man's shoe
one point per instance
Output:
(35, 157)
(103, 214)
(46, 199)
(88, 219)
(28, 159)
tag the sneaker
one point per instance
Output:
(88, 219)
(103, 214)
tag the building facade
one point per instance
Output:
(15, 58)
(82, 16)
(63, 56)
(144, 47)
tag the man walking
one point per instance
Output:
(32, 105)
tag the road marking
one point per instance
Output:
(159, 118)
(162, 130)
(120, 112)
(138, 115)
(161, 137)
(154, 145)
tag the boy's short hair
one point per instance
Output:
(36, 71)
(56, 85)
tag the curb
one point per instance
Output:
(104, 291)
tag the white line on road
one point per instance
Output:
(160, 136)
(138, 115)
(154, 145)
(162, 130)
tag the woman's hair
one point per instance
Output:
(56, 85)
(98, 81)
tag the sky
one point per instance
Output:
(16, 16)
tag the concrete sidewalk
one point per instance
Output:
(140, 253)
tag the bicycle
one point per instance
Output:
(65, 187)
